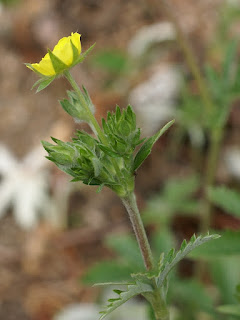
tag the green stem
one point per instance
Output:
(158, 303)
(160, 308)
(137, 224)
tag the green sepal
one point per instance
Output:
(74, 50)
(146, 148)
(43, 83)
(58, 65)
(83, 56)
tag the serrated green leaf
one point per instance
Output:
(132, 291)
(146, 148)
(227, 245)
(173, 258)
(183, 245)
(225, 198)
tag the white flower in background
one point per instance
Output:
(87, 311)
(83, 311)
(150, 35)
(24, 186)
(232, 160)
(154, 99)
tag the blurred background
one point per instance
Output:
(58, 238)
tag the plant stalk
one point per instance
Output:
(159, 305)
(137, 224)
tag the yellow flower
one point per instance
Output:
(64, 56)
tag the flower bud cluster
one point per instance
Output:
(88, 160)
(121, 131)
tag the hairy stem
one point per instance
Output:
(158, 303)
(160, 307)
(137, 224)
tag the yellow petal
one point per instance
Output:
(45, 66)
(63, 50)
(75, 37)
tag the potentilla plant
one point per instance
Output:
(108, 158)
